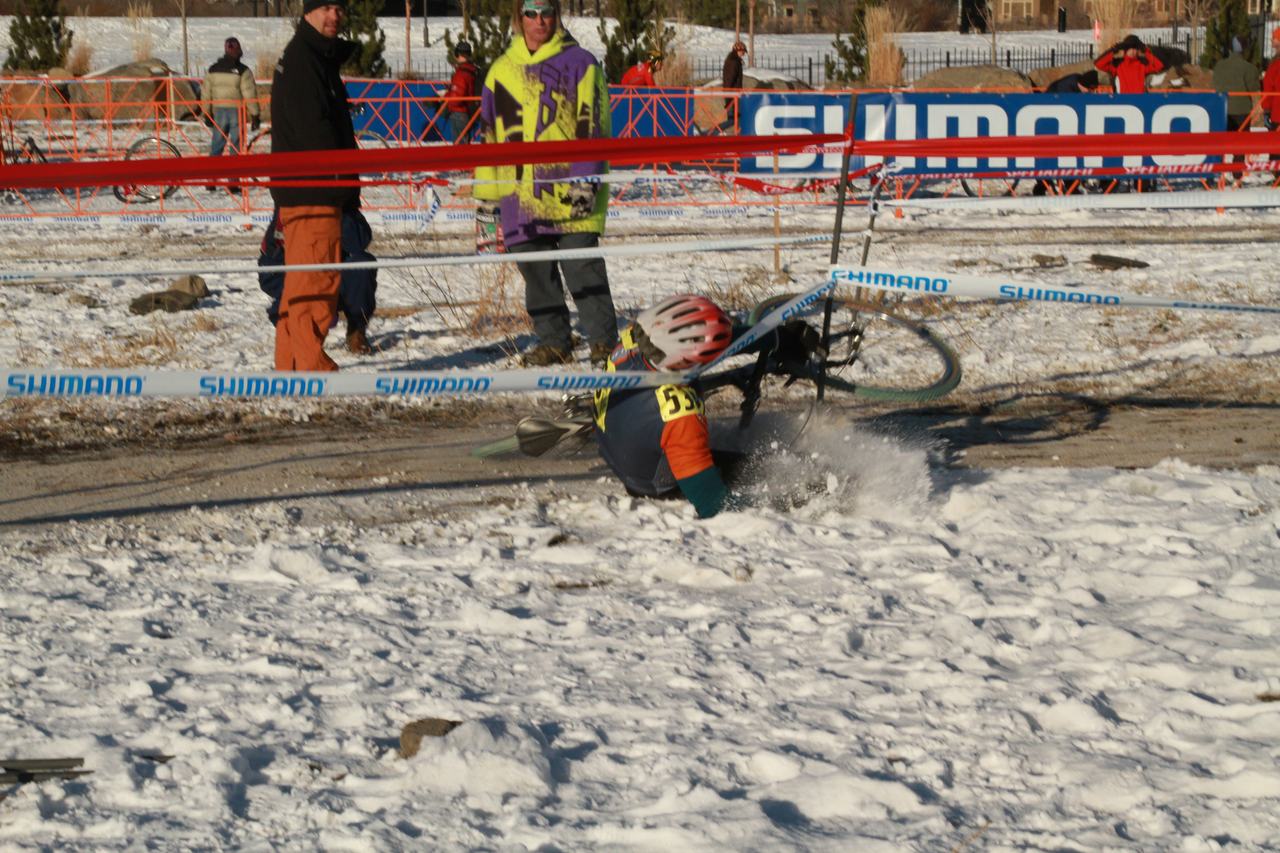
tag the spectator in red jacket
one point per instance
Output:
(461, 101)
(1271, 83)
(641, 74)
(1129, 63)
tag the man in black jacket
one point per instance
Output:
(731, 78)
(309, 113)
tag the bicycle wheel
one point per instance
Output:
(988, 187)
(151, 148)
(870, 350)
(1065, 186)
(260, 142)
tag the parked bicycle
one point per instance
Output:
(149, 148)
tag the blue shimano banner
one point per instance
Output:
(382, 109)
(793, 113)
(921, 115)
(650, 113)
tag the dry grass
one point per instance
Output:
(500, 308)
(79, 60)
(677, 67)
(1118, 17)
(742, 292)
(676, 70)
(497, 312)
(393, 312)
(163, 343)
(142, 41)
(264, 65)
(157, 345)
(884, 58)
(204, 321)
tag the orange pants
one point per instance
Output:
(309, 304)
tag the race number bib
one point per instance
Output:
(677, 401)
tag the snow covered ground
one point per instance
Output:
(918, 657)
(1048, 659)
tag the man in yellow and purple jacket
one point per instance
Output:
(546, 88)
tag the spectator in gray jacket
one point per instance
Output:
(1235, 74)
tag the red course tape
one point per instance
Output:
(436, 158)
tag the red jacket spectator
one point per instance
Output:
(639, 74)
(461, 97)
(1271, 83)
(1129, 62)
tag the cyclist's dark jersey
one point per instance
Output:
(655, 439)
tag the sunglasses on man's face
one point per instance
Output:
(546, 16)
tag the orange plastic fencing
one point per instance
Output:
(118, 118)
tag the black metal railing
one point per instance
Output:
(1024, 59)
(810, 69)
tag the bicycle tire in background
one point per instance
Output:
(148, 147)
(260, 142)
(989, 187)
(853, 335)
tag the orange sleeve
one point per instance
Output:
(687, 444)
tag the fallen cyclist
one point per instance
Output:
(656, 440)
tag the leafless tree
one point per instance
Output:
(1197, 12)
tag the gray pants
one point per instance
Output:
(588, 281)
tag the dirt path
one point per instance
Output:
(323, 472)
(63, 461)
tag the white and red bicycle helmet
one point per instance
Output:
(682, 331)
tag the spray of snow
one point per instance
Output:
(812, 464)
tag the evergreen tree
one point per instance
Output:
(638, 32)
(361, 26)
(38, 35)
(850, 62)
(488, 31)
(1232, 21)
(712, 13)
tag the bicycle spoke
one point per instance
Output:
(878, 354)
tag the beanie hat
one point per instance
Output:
(309, 6)
(1236, 46)
(232, 45)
